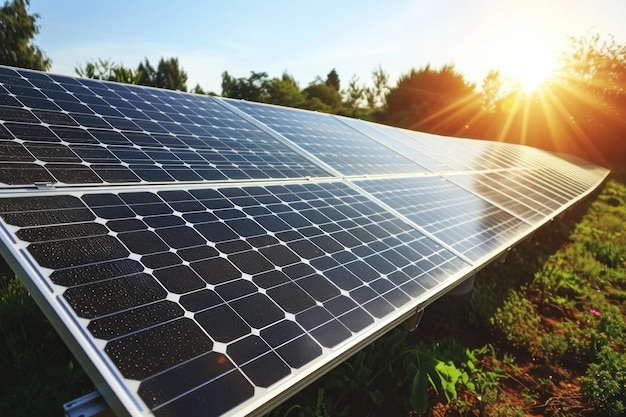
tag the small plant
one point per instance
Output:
(545, 383)
(529, 397)
(606, 253)
(446, 367)
(612, 324)
(499, 407)
(552, 346)
(516, 320)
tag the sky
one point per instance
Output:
(309, 38)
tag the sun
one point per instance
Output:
(529, 63)
(524, 51)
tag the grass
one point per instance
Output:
(542, 334)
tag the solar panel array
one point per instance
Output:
(205, 256)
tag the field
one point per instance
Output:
(542, 334)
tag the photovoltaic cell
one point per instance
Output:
(205, 256)
(399, 141)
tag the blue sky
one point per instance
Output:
(309, 38)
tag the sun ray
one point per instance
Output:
(583, 140)
(450, 111)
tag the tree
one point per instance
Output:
(284, 91)
(199, 90)
(104, 69)
(429, 99)
(148, 73)
(168, 74)
(599, 66)
(332, 80)
(17, 30)
(375, 95)
(580, 111)
(590, 97)
(491, 91)
(322, 97)
(354, 93)
(253, 88)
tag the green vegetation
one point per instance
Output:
(394, 374)
(38, 372)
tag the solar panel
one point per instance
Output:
(209, 256)
(89, 132)
(253, 283)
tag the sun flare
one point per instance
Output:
(531, 66)
(523, 50)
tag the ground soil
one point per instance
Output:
(538, 387)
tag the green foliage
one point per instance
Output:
(316, 409)
(604, 384)
(580, 280)
(446, 366)
(376, 95)
(551, 346)
(322, 93)
(422, 98)
(606, 253)
(253, 88)
(284, 91)
(168, 74)
(495, 405)
(485, 298)
(17, 31)
(104, 69)
(332, 80)
(354, 93)
(38, 373)
(393, 374)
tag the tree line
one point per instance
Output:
(581, 110)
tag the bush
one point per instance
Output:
(604, 384)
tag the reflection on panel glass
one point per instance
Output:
(397, 139)
(336, 144)
(533, 195)
(465, 222)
